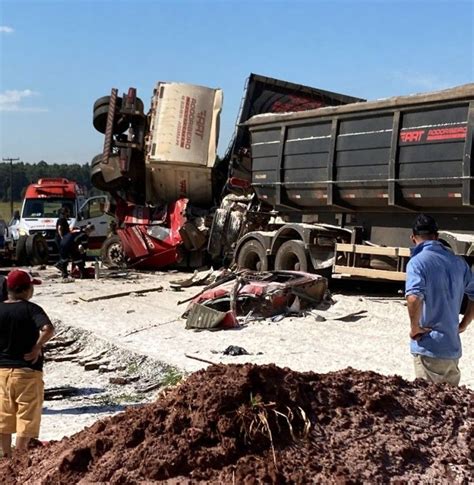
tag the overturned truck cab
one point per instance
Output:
(158, 168)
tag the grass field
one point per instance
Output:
(5, 209)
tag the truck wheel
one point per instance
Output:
(20, 251)
(111, 252)
(252, 255)
(217, 235)
(292, 257)
(36, 249)
(99, 120)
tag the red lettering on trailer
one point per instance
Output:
(185, 121)
(200, 124)
(411, 136)
(180, 124)
(458, 133)
(190, 123)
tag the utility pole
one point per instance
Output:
(11, 160)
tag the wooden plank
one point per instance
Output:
(118, 295)
(379, 250)
(348, 248)
(360, 249)
(370, 273)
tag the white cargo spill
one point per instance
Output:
(183, 142)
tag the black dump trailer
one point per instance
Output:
(264, 95)
(344, 184)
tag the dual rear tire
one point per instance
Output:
(291, 256)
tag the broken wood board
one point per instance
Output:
(109, 296)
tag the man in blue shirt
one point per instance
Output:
(436, 283)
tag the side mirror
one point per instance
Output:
(16, 215)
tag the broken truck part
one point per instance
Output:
(311, 181)
(260, 294)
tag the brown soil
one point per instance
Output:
(262, 424)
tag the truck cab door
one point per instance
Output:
(14, 226)
(92, 212)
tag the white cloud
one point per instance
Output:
(11, 100)
(4, 29)
(417, 80)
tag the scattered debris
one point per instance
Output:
(263, 424)
(278, 318)
(123, 380)
(198, 278)
(149, 387)
(120, 294)
(203, 317)
(56, 393)
(95, 364)
(235, 350)
(261, 294)
(352, 317)
(148, 327)
(200, 359)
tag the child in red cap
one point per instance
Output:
(24, 329)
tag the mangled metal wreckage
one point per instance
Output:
(174, 201)
(312, 180)
(251, 295)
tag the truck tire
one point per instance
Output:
(99, 121)
(291, 256)
(20, 251)
(252, 255)
(36, 249)
(217, 233)
(111, 252)
(105, 100)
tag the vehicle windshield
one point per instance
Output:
(47, 207)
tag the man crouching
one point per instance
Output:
(24, 329)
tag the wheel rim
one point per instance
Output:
(115, 253)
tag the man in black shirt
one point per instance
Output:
(62, 224)
(24, 329)
(74, 248)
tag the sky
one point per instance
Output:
(58, 57)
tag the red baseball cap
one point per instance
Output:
(19, 278)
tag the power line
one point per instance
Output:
(11, 160)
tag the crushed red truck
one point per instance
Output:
(312, 180)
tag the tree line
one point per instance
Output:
(27, 173)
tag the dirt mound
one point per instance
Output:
(263, 424)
